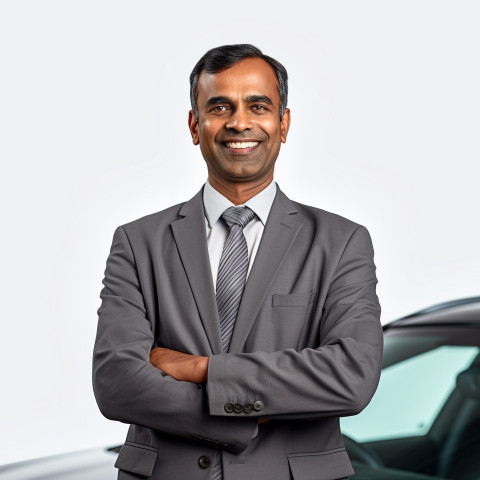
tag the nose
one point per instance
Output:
(239, 121)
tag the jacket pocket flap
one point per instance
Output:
(329, 465)
(294, 299)
(135, 458)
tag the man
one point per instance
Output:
(236, 328)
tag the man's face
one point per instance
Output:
(239, 128)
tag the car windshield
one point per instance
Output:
(425, 416)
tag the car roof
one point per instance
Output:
(464, 311)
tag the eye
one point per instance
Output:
(219, 108)
(259, 108)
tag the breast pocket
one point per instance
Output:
(288, 317)
(294, 299)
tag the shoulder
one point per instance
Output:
(333, 228)
(319, 215)
(144, 232)
(337, 228)
(159, 222)
(154, 220)
(334, 235)
(319, 221)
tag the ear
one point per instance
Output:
(193, 127)
(285, 124)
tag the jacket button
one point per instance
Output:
(204, 461)
(228, 407)
(258, 405)
(238, 408)
(248, 407)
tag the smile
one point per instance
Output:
(241, 144)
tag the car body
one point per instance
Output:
(93, 464)
(422, 424)
(424, 420)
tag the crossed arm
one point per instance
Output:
(181, 366)
(335, 379)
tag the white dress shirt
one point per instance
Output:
(217, 230)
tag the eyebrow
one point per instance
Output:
(258, 99)
(249, 99)
(216, 100)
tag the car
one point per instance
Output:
(424, 420)
(92, 464)
(422, 424)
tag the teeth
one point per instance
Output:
(241, 144)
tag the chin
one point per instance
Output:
(244, 176)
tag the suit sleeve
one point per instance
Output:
(339, 377)
(131, 390)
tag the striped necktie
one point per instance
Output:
(232, 273)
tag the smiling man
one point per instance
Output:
(237, 327)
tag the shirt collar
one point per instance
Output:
(215, 203)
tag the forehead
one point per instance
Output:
(251, 76)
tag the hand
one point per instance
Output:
(181, 366)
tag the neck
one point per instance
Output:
(239, 192)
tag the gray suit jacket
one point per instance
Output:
(306, 348)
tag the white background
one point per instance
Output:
(385, 102)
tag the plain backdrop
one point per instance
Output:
(385, 103)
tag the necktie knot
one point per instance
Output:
(238, 216)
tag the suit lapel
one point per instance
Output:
(280, 231)
(190, 237)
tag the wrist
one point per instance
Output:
(202, 369)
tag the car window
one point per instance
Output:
(410, 394)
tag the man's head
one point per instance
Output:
(221, 58)
(239, 116)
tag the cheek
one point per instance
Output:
(208, 131)
(206, 124)
(271, 127)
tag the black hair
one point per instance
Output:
(221, 58)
